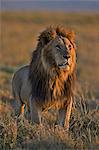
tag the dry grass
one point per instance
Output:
(21, 134)
(18, 39)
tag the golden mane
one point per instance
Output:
(54, 85)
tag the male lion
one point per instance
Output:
(49, 79)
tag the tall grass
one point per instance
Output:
(21, 134)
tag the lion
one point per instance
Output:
(49, 80)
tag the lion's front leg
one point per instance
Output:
(35, 112)
(64, 115)
(68, 113)
(61, 116)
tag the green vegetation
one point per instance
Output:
(19, 32)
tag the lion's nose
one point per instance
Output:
(66, 56)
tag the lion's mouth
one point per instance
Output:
(65, 65)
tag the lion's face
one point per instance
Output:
(59, 53)
(62, 52)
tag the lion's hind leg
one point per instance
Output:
(18, 107)
(27, 111)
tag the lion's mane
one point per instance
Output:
(51, 86)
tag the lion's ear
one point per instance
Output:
(46, 36)
(71, 36)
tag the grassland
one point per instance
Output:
(18, 36)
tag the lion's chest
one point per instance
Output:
(51, 93)
(55, 97)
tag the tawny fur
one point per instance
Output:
(42, 81)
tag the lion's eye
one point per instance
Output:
(58, 47)
(69, 46)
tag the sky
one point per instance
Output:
(65, 5)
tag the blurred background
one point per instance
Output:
(21, 21)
